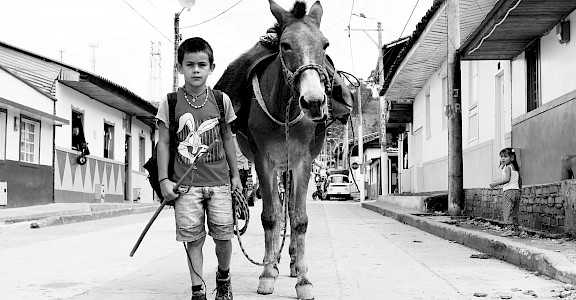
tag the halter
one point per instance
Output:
(292, 76)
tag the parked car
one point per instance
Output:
(337, 185)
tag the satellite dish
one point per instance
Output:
(187, 3)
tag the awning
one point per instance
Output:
(43, 116)
(115, 96)
(511, 26)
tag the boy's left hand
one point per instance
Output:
(236, 183)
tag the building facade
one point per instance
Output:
(103, 136)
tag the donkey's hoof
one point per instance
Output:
(293, 272)
(305, 291)
(266, 285)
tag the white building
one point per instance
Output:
(117, 125)
(516, 91)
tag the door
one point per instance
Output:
(498, 124)
(127, 168)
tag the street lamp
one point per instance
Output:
(186, 4)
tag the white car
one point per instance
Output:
(337, 186)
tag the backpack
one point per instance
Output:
(152, 164)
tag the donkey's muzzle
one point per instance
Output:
(315, 109)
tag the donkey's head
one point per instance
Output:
(302, 52)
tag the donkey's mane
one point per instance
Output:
(298, 12)
(299, 9)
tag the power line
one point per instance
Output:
(147, 21)
(216, 16)
(410, 17)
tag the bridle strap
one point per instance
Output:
(260, 100)
(292, 76)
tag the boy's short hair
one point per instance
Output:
(195, 44)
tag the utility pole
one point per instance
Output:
(455, 163)
(361, 144)
(345, 149)
(384, 154)
(384, 107)
(177, 38)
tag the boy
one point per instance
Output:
(207, 190)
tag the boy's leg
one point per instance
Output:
(189, 213)
(224, 253)
(220, 226)
(196, 257)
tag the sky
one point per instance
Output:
(122, 32)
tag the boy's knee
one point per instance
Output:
(197, 243)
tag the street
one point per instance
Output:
(353, 253)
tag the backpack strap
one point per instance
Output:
(172, 99)
(220, 102)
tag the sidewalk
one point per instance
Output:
(65, 213)
(555, 258)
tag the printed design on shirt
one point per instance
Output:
(195, 137)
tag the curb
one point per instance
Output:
(546, 262)
(91, 216)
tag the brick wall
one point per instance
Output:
(544, 207)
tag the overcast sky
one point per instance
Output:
(124, 29)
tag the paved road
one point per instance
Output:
(353, 253)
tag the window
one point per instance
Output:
(473, 103)
(533, 76)
(473, 124)
(108, 141)
(473, 100)
(78, 139)
(3, 126)
(444, 102)
(428, 121)
(29, 140)
(142, 151)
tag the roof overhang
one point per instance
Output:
(115, 96)
(511, 26)
(44, 116)
(425, 52)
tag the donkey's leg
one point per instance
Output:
(270, 223)
(293, 242)
(299, 225)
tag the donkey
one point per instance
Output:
(285, 116)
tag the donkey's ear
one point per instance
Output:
(316, 13)
(277, 11)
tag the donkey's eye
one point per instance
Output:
(285, 46)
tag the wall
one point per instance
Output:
(556, 78)
(94, 115)
(140, 179)
(546, 208)
(27, 183)
(543, 136)
(83, 183)
(479, 157)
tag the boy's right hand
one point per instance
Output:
(167, 188)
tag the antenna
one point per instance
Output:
(155, 79)
(61, 52)
(93, 56)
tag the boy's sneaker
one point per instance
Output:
(198, 296)
(223, 288)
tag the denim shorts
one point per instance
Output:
(194, 204)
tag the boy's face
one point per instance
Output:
(195, 67)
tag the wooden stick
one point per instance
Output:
(178, 184)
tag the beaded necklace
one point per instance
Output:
(194, 98)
